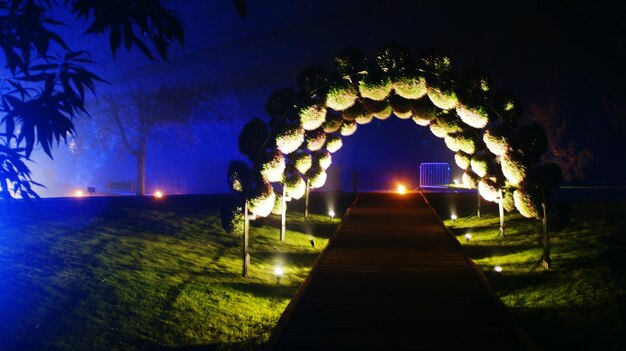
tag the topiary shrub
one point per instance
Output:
(451, 142)
(341, 95)
(323, 159)
(375, 86)
(317, 177)
(462, 160)
(332, 123)
(354, 112)
(315, 139)
(348, 128)
(449, 122)
(333, 143)
(470, 180)
(533, 140)
(312, 79)
(232, 219)
(473, 114)
(289, 138)
(528, 202)
(295, 186)
(393, 58)
(497, 139)
(488, 189)
(237, 175)
(251, 138)
(424, 112)
(402, 108)
(272, 166)
(481, 165)
(442, 95)
(302, 161)
(476, 80)
(364, 119)
(435, 61)
(461, 141)
(280, 103)
(410, 85)
(549, 177)
(509, 201)
(312, 116)
(350, 61)
(507, 107)
(278, 205)
(437, 130)
(514, 167)
(261, 199)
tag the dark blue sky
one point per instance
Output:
(542, 52)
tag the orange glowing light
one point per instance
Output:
(158, 194)
(79, 193)
(401, 189)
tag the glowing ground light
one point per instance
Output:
(331, 214)
(158, 194)
(79, 193)
(497, 269)
(278, 272)
(468, 237)
(453, 217)
(401, 189)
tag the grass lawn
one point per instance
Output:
(578, 304)
(132, 273)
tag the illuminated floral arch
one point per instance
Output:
(498, 156)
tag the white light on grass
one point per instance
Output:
(278, 272)
(331, 214)
(468, 237)
(453, 217)
(497, 269)
(456, 181)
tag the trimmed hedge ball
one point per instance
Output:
(473, 114)
(384, 114)
(315, 139)
(302, 161)
(481, 165)
(461, 141)
(514, 167)
(251, 138)
(550, 176)
(436, 62)
(289, 138)
(437, 130)
(364, 119)
(295, 186)
(348, 128)
(237, 175)
(373, 106)
(449, 122)
(333, 143)
(508, 107)
(317, 177)
(509, 201)
(312, 116)
(350, 61)
(462, 160)
(488, 189)
(261, 200)
(533, 140)
(497, 139)
(273, 166)
(476, 80)
(528, 202)
(375, 86)
(332, 123)
(232, 219)
(341, 95)
(323, 158)
(410, 85)
(402, 108)
(280, 102)
(312, 78)
(278, 205)
(354, 112)
(443, 95)
(393, 58)
(470, 180)
(424, 111)
(451, 142)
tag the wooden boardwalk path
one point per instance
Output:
(392, 279)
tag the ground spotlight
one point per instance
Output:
(401, 189)
(497, 269)
(158, 194)
(453, 217)
(278, 272)
(468, 237)
(79, 193)
(331, 214)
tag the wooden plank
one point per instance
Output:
(392, 278)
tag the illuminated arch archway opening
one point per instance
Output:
(294, 150)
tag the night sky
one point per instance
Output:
(570, 56)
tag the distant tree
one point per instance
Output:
(562, 150)
(48, 82)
